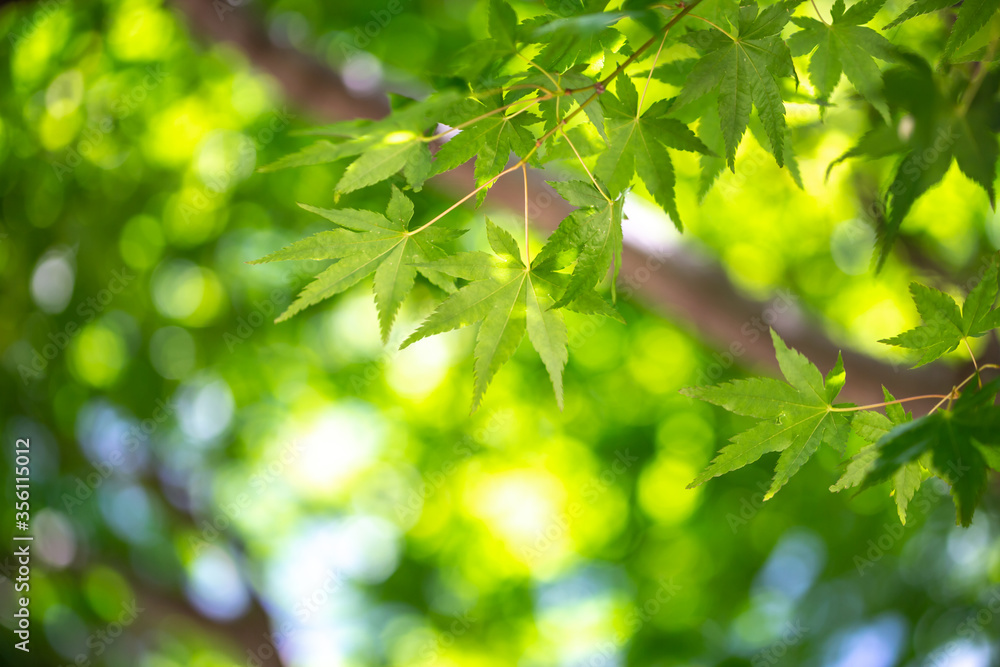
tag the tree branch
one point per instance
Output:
(679, 285)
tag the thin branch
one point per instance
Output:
(527, 240)
(598, 90)
(639, 51)
(472, 121)
(879, 405)
(470, 195)
(955, 390)
(687, 286)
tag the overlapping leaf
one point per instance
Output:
(945, 128)
(638, 145)
(571, 38)
(579, 88)
(845, 46)
(491, 141)
(958, 444)
(593, 234)
(507, 299)
(945, 327)
(380, 149)
(565, 53)
(743, 69)
(796, 417)
(870, 427)
(367, 243)
(972, 16)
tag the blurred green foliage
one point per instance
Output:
(218, 469)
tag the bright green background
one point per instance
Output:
(520, 535)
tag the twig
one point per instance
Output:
(527, 241)
(898, 400)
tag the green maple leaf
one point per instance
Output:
(573, 39)
(503, 24)
(944, 129)
(845, 46)
(946, 327)
(490, 141)
(917, 8)
(796, 417)
(552, 111)
(639, 146)
(593, 234)
(972, 16)
(381, 148)
(743, 68)
(320, 152)
(508, 299)
(367, 243)
(958, 443)
(870, 427)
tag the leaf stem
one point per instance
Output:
(717, 27)
(599, 88)
(464, 199)
(954, 391)
(817, 12)
(642, 49)
(898, 400)
(974, 364)
(584, 165)
(546, 73)
(649, 78)
(527, 241)
(472, 121)
(977, 80)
